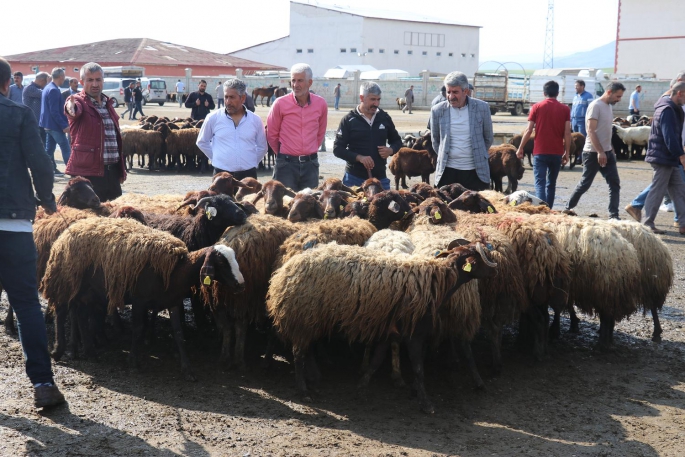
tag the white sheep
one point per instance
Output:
(636, 136)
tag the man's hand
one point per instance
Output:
(50, 207)
(519, 153)
(366, 161)
(564, 159)
(384, 152)
(66, 130)
(602, 158)
(197, 102)
(71, 106)
(206, 103)
(682, 160)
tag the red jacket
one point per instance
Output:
(88, 137)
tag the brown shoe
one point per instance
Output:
(676, 224)
(634, 212)
(46, 396)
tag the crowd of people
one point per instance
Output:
(37, 117)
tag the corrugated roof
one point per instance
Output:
(384, 14)
(140, 52)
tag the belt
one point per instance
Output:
(113, 166)
(304, 158)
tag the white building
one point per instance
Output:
(325, 36)
(650, 38)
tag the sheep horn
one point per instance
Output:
(202, 201)
(481, 251)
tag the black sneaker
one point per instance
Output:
(58, 173)
(47, 396)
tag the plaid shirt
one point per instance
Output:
(110, 151)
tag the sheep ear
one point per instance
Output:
(458, 242)
(260, 194)
(237, 183)
(319, 210)
(289, 192)
(63, 197)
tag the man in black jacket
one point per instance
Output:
(362, 138)
(21, 148)
(128, 99)
(137, 101)
(200, 102)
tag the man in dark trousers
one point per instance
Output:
(362, 139)
(200, 102)
(128, 99)
(137, 101)
(22, 148)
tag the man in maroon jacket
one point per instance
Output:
(95, 136)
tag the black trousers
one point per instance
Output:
(467, 178)
(107, 187)
(251, 173)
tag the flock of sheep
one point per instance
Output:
(384, 268)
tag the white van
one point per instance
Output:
(114, 89)
(154, 90)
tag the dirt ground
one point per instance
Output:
(577, 402)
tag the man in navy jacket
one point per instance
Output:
(53, 119)
(665, 154)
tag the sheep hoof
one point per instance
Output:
(307, 397)
(427, 408)
(57, 355)
(656, 338)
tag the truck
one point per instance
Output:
(566, 78)
(503, 91)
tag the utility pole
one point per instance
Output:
(548, 59)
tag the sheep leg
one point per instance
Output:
(177, 326)
(240, 338)
(606, 330)
(82, 316)
(396, 374)
(466, 355)
(9, 322)
(138, 332)
(376, 360)
(426, 178)
(397, 182)
(575, 322)
(555, 328)
(366, 360)
(496, 351)
(404, 182)
(75, 336)
(300, 356)
(415, 346)
(530, 161)
(115, 321)
(226, 326)
(199, 314)
(656, 336)
(269, 352)
(60, 343)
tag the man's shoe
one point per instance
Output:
(657, 231)
(58, 173)
(46, 396)
(635, 213)
(676, 224)
(666, 208)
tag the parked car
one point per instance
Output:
(154, 90)
(114, 89)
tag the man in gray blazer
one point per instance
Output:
(461, 131)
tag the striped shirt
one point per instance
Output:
(110, 149)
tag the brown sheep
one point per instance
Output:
(182, 143)
(503, 162)
(252, 186)
(141, 142)
(410, 162)
(303, 206)
(273, 192)
(436, 210)
(334, 202)
(371, 187)
(527, 149)
(425, 190)
(334, 184)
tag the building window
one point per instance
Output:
(353, 49)
(438, 54)
(463, 54)
(473, 55)
(310, 51)
(343, 50)
(450, 54)
(425, 53)
(396, 51)
(410, 52)
(436, 40)
(299, 51)
(381, 51)
(370, 50)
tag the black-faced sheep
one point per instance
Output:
(151, 268)
(368, 310)
(503, 162)
(472, 202)
(388, 207)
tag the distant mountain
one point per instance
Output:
(601, 57)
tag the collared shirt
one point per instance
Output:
(233, 147)
(581, 102)
(180, 87)
(363, 116)
(297, 130)
(110, 151)
(15, 94)
(634, 101)
(460, 154)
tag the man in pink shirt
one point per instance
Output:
(296, 126)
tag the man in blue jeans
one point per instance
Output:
(22, 148)
(53, 119)
(552, 123)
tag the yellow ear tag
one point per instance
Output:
(325, 216)
(438, 216)
(466, 267)
(513, 203)
(207, 281)
(491, 209)
(342, 207)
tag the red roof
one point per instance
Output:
(139, 52)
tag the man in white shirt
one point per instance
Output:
(180, 90)
(219, 89)
(233, 138)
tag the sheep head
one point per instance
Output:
(470, 260)
(303, 206)
(334, 202)
(522, 196)
(79, 194)
(220, 265)
(371, 187)
(252, 186)
(472, 202)
(388, 207)
(225, 183)
(452, 191)
(358, 208)
(437, 211)
(221, 211)
(425, 190)
(129, 212)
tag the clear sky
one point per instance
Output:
(512, 29)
